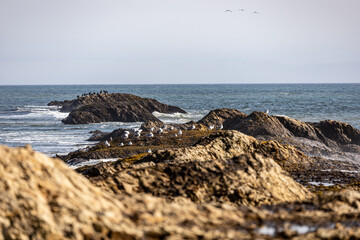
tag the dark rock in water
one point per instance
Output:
(339, 132)
(98, 136)
(257, 124)
(218, 116)
(115, 107)
(327, 138)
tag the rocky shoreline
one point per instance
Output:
(230, 175)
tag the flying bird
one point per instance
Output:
(242, 10)
(255, 12)
(228, 10)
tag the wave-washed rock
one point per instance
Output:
(114, 107)
(325, 138)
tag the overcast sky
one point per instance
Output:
(179, 41)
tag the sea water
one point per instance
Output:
(25, 117)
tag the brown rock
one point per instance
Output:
(218, 116)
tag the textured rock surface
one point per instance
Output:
(244, 180)
(227, 166)
(330, 139)
(41, 198)
(114, 107)
(217, 117)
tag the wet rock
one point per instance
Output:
(341, 133)
(115, 107)
(98, 136)
(218, 116)
(257, 124)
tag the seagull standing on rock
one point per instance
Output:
(221, 127)
(107, 143)
(211, 127)
(159, 131)
(193, 127)
(121, 144)
(180, 132)
(150, 135)
(149, 151)
(129, 143)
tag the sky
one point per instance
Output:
(179, 41)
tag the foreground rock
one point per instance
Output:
(226, 166)
(114, 107)
(244, 180)
(41, 198)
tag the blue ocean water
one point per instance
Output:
(25, 117)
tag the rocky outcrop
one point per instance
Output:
(115, 107)
(226, 166)
(258, 124)
(249, 179)
(331, 139)
(218, 116)
(341, 133)
(41, 198)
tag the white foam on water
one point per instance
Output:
(180, 117)
(267, 230)
(302, 229)
(92, 162)
(325, 184)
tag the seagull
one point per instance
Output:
(193, 127)
(175, 135)
(121, 144)
(129, 143)
(171, 128)
(127, 132)
(150, 135)
(211, 127)
(164, 127)
(149, 151)
(228, 10)
(152, 129)
(221, 127)
(137, 135)
(107, 144)
(125, 136)
(159, 131)
(242, 10)
(255, 12)
(267, 111)
(180, 132)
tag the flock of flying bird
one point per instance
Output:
(241, 10)
(137, 133)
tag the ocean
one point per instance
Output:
(25, 117)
